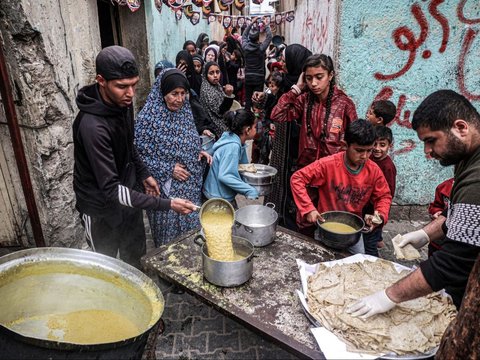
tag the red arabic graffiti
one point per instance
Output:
(461, 16)
(405, 40)
(467, 43)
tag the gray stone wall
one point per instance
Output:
(50, 48)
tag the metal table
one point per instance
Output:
(267, 303)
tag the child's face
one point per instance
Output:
(357, 155)
(251, 131)
(198, 66)
(209, 56)
(373, 118)
(318, 80)
(213, 75)
(273, 87)
(381, 148)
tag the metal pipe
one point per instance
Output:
(11, 114)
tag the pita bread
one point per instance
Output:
(408, 252)
(415, 326)
(247, 168)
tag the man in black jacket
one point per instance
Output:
(107, 166)
(254, 53)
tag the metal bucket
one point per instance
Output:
(262, 180)
(337, 240)
(256, 223)
(228, 273)
(63, 303)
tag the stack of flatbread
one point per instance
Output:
(414, 326)
(408, 252)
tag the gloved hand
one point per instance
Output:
(417, 238)
(376, 303)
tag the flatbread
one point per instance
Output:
(408, 252)
(247, 168)
(414, 326)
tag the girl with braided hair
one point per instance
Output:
(325, 110)
(321, 108)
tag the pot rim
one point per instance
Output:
(79, 257)
(252, 226)
(319, 224)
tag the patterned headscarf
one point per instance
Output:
(164, 138)
(211, 97)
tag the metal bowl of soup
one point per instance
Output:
(341, 229)
(73, 300)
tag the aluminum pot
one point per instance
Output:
(256, 223)
(43, 290)
(337, 240)
(262, 180)
(228, 273)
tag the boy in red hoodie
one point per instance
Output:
(346, 181)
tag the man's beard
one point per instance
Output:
(456, 151)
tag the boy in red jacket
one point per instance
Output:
(435, 209)
(346, 181)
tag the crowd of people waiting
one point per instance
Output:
(300, 122)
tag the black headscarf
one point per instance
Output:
(207, 66)
(172, 79)
(189, 42)
(202, 39)
(194, 79)
(295, 56)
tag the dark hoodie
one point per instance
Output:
(254, 53)
(107, 165)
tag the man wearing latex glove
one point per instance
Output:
(449, 126)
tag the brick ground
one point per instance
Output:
(194, 330)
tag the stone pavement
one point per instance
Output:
(194, 330)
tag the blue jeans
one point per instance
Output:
(357, 248)
(370, 241)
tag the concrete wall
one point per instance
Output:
(404, 50)
(166, 35)
(50, 48)
(314, 25)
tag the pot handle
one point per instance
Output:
(199, 240)
(270, 205)
(237, 224)
(366, 229)
(248, 229)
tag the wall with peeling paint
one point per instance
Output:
(166, 35)
(314, 25)
(403, 51)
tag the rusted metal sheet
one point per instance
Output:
(267, 303)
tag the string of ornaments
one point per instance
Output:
(209, 10)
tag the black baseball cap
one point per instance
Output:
(116, 62)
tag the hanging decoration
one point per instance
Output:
(227, 22)
(206, 10)
(257, 2)
(222, 6)
(186, 7)
(133, 5)
(240, 4)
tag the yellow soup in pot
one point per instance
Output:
(337, 227)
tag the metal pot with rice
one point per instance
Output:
(227, 260)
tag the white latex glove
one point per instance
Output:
(376, 303)
(417, 238)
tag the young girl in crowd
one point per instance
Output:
(324, 110)
(223, 179)
(215, 99)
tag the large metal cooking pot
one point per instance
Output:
(256, 223)
(262, 180)
(228, 273)
(63, 303)
(341, 241)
